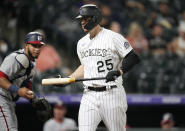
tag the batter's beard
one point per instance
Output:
(85, 30)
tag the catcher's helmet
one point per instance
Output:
(90, 10)
(34, 38)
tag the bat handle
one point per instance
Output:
(89, 79)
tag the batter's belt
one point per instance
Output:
(102, 88)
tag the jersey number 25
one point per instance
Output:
(106, 63)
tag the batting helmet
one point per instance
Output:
(92, 11)
(34, 38)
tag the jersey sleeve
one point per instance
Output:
(122, 45)
(10, 66)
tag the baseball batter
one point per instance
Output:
(16, 74)
(101, 52)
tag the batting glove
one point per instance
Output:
(112, 75)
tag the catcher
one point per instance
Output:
(16, 72)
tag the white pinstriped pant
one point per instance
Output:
(109, 106)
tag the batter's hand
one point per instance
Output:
(26, 93)
(112, 75)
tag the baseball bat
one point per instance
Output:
(60, 81)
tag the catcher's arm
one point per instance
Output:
(23, 91)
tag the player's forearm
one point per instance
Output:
(24, 92)
(121, 71)
(129, 62)
(4, 83)
(78, 73)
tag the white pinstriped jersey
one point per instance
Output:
(101, 54)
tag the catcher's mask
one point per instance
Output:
(92, 11)
(34, 38)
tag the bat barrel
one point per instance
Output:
(57, 81)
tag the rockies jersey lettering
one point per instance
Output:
(94, 52)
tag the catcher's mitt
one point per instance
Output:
(42, 107)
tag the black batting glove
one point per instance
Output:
(112, 75)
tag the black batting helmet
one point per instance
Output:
(92, 11)
(34, 38)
